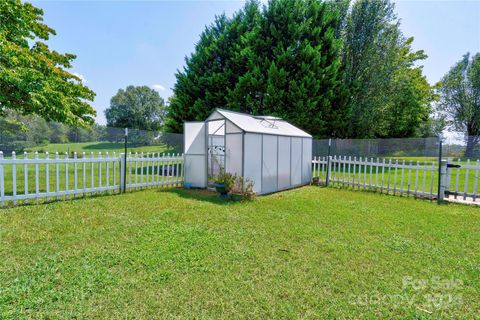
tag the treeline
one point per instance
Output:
(333, 68)
(18, 132)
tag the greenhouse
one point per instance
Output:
(271, 152)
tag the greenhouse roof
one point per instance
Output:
(259, 124)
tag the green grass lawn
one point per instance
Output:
(97, 147)
(305, 253)
(426, 181)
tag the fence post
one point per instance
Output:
(329, 169)
(442, 181)
(123, 177)
(327, 178)
(2, 181)
(448, 174)
(441, 165)
(123, 169)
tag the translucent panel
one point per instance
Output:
(216, 141)
(216, 156)
(216, 163)
(195, 157)
(195, 171)
(296, 153)
(307, 160)
(257, 124)
(216, 127)
(283, 162)
(253, 160)
(232, 128)
(234, 157)
(194, 138)
(215, 116)
(270, 158)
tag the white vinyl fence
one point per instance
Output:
(462, 180)
(396, 177)
(38, 178)
(459, 179)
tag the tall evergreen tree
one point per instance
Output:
(282, 60)
(294, 68)
(213, 69)
(332, 68)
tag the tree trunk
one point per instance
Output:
(471, 142)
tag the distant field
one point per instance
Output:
(97, 147)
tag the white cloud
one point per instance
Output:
(81, 76)
(158, 87)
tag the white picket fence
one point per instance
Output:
(404, 178)
(458, 185)
(62, 177)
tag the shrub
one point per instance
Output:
(244, 187)
(236, 185)
(227, 179)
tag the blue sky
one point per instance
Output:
(119, 43)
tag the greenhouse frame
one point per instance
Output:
(267, 150)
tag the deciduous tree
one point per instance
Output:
(388, 94)
(33, 78)
(136, 107)
(460, 99)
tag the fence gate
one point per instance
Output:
(461, 183)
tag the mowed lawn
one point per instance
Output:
(305, 253)
(96, 147)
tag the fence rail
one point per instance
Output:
(458, 183)
(459, 179)
(395, 177)
(62, 177)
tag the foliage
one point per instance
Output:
(281, 60)
(136, 107)
(19, 132)
(388, 94)
(315, 64)
(171, 140)
(460, 99)
(236, 184)
(60, 133)
(34, 79)
(309, 251)
(435, 125)
(244, 188)
(11, 130)
(315, 181)
(226, 179)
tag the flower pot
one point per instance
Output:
(220, 187)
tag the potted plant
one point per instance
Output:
(224, 183)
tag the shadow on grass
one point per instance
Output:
(201, 195)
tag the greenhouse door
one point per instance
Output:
(195, 156)
(215, 149)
